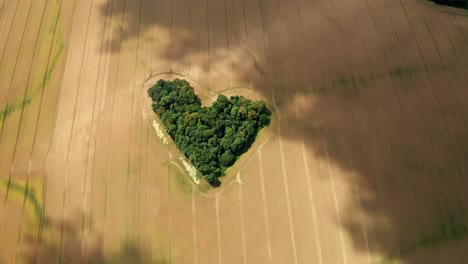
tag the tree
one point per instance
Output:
(211, 137)
(227, 159)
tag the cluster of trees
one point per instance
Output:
(211, 137)
(455, 3)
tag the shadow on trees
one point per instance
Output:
(360, 87)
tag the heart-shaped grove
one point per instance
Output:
(214, 137)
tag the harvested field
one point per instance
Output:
(366, 160)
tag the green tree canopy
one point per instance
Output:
(213, 137)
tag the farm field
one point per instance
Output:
(366, 160)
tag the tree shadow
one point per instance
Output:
(360, 87)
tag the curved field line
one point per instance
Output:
(5, 201)
(370, 68)
(13, 74)
(228, 48)
(146, 191)
(312, 203)
(5, 110)
(67, 155)
(455, 97)
(145, 135)
(194, 229)
(207, 6)
(265, 210)
(169, 195)
(43, 221)
(288, 202)
(9, 33)
(241, 210)
(132, 115)
(461, 31)
(50, 66)
(349, 156)
(387, 89)
(2, 11)
(111, 129)
(423, 116)
(306, 167)
(283, 163)
(218, 230)
(35, 131)
(2, 8)
(436, 95)
(96, 115)
(15, 103)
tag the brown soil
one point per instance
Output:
(368, 163)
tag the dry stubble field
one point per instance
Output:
(368, 163)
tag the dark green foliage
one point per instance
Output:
(455, 3)
(227, 159)
(211, 137)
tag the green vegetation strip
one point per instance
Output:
(29, 193)
(213, 137)
(19, 102)
(346, 84)
(453, 228)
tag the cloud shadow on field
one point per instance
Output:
(378, 101)
(129, 251)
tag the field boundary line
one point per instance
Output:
(288, 202)
(169, 194)
(445, 70)
(41, 24)
(133, 112)
(43, 221)
(99, 97)
(69, 145)
(2, 120)
(218, 230)
(5, 113)
(434, 91)
(109, 146)
(335, 201)
(4, 116)
(146, 190)
(194, 229)
(228, 45)
(388, 92)
(426, 70)
(241, 202)
(51, 141)
(312, 202)
(457, 56)
(349, 70)
(6, 45)
(209, 42)
(265, 210)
